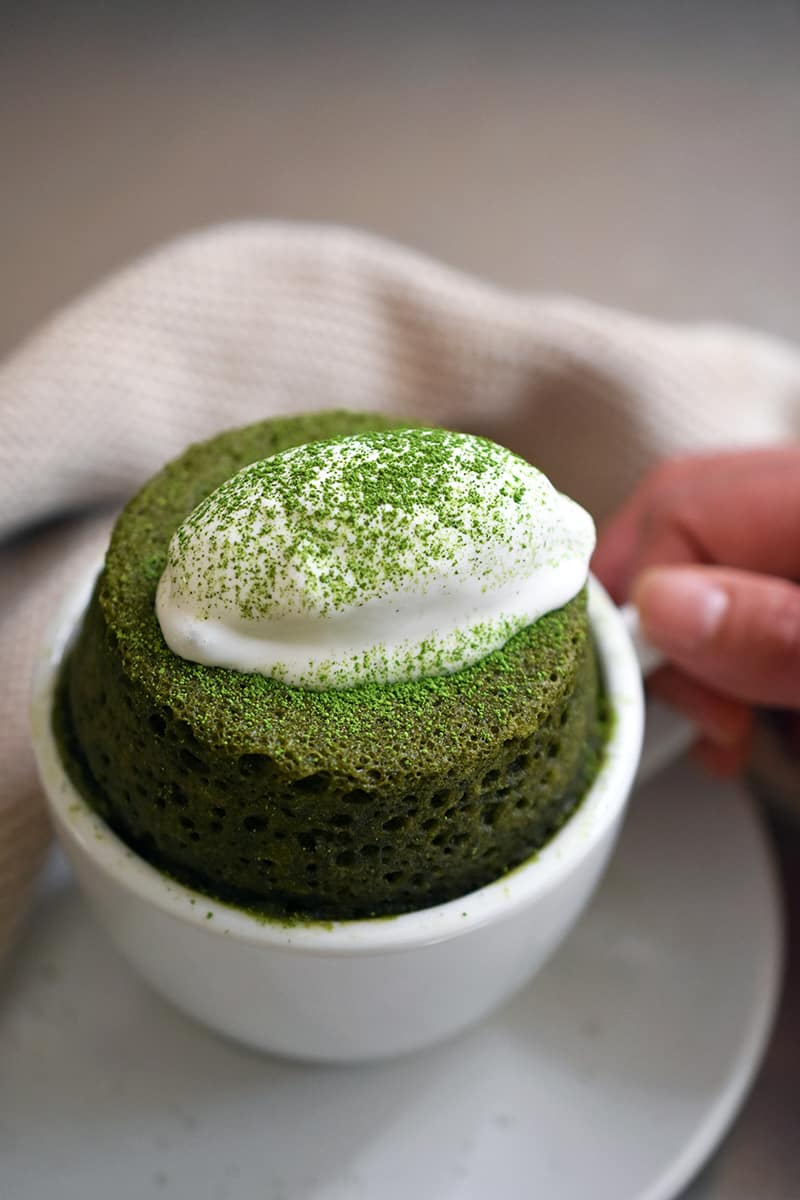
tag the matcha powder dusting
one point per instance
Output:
(381, 557)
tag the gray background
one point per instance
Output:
(640, 154)
(644, 154)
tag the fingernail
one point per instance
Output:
(679, 608)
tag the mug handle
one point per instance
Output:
(667, 733)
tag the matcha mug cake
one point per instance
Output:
(338, 669)
(327, 742)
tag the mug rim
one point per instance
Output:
(85, 833)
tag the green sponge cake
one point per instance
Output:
(381, 779)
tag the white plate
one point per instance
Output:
(612, 1076)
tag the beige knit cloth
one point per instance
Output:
(247, 321)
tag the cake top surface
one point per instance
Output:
(444, 720)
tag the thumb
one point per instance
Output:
(734, 630)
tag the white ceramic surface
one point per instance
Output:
(610, 1077)
(357, 989)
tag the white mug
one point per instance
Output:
(354, 990)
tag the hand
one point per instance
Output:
(707, 548)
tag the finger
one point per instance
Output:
(619, 537)
(740, 508)
(749, 521)
(737, 632)
(611, 560)
(718, 719)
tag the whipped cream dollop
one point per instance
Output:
(376, 558)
